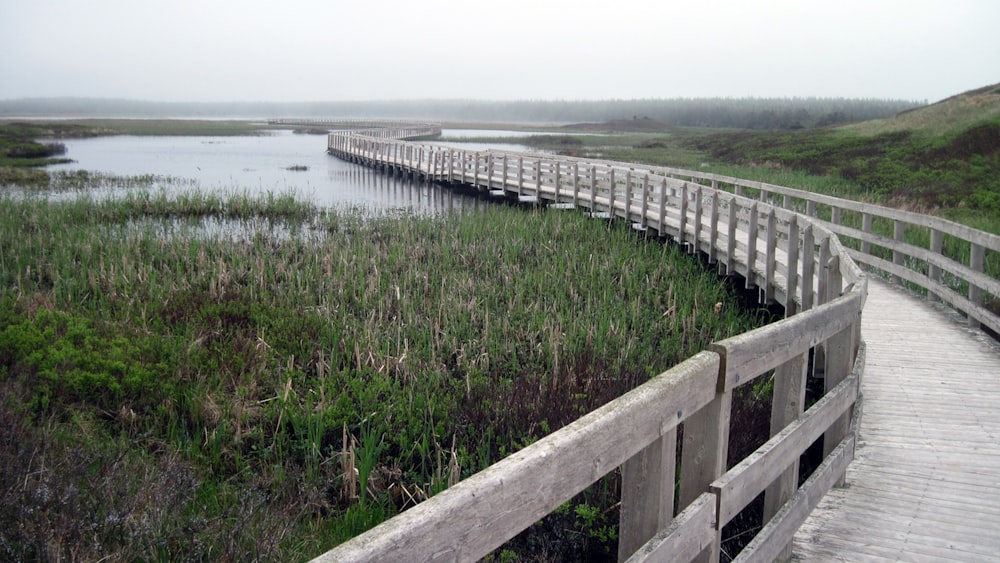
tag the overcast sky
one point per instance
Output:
(334, 50)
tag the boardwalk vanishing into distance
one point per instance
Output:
(909, 393)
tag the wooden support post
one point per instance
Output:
(489, 171)
(520, 176)
(538, 179)
(611, 193)
(839, 361)
(866, 227)
(703, 455)
(645, 199)
(808, 280)
(822, 293)
(593, 189)
(682, 224)
(732, 220)
(899, 235)
(977, 257)
(661, 219)
(647, 494)
(811, 208)
(697, 217)
(771, 259)
(713, 229)
(792, 267)
(937, 244)
(557, 165)
(752, 245)
(787, 404)
(628, 196)
(576, 184)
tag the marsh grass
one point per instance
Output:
(299, 374)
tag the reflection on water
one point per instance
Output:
(380, 190)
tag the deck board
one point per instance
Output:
(925, 481)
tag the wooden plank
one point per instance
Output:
(687, 535)
(647, 503)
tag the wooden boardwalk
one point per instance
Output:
(924, 484)
(925, 481)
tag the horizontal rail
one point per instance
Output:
(789, 257)
(954, 273)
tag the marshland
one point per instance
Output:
(233, 371)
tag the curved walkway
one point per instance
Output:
(925, 481)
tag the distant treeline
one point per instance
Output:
(737, 113)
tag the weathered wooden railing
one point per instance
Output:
(792, 258)
(945, 259)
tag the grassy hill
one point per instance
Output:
(942, 159)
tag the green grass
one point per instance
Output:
(224, 376)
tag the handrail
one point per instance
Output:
(792, 258)
(927, 266)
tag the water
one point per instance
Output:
(260, 164)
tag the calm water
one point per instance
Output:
(261, 163)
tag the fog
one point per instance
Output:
(305, 50)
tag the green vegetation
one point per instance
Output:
(229, 376)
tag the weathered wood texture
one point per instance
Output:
(925, 481)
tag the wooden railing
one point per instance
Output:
(792, 258)
(945, 259)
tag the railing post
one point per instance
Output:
(934, 272)
(713, 233)
(697, 217)
(520, 176)
(703, 455)
(647, 504)
(558, 178)
(839, 361)
(682, 223)
(593, 189)
(732, 219)
(787, 404)
(576, 184)
(792, 267)
(489, 171)
(866, 227)
(537, 166)
(628, 196)
(977, 256)
(645, 199)
(899, 235)
(752, 245)
(611, 193)
(771, 259)
(663, 207)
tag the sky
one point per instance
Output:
(350, 50)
